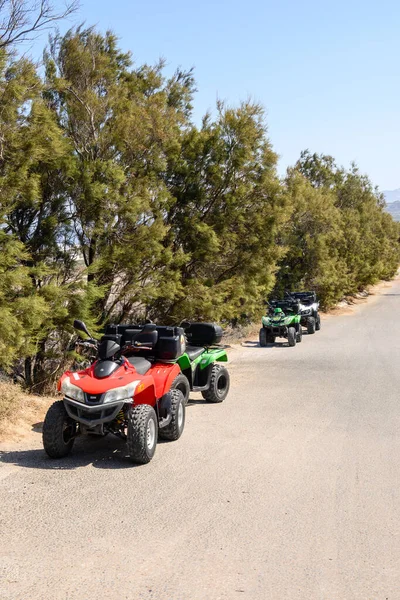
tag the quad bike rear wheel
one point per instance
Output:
(263, 337)
(59, 431)
(181, 383)
(219, 384)
(291, 336)
(174, 430)
(142, 433)
(311, 325)
(299, 335)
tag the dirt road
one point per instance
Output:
(289, 490)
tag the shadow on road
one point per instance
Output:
(254, 344)
(196, 402)
(101, 452)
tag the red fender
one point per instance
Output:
(145, 391)
(174, 372)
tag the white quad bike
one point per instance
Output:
(309, 310)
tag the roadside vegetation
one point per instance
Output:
(115, 206)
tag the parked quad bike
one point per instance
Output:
(197, 354)
(309, 309)
(121, 393)
(199, 362)
(282, 320)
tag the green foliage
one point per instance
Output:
(15, 289)
(339, 238)
(228, 208)
(122, 122)
(313, 237)
(39, 287)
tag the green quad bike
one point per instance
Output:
(194, 347)
(283, 320)
(199, 362)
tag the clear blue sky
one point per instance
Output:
(327, 73)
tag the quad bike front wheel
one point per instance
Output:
(174, 430)
(299, 335)
(219, 385)
(311, 325)
(291, 336)
(318, 323)
(266, 338)
(181, 383)
(59, 431)
(142, 433)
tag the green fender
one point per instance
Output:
(210, 356)
(287, 321)
(184, 362)
(204, 360)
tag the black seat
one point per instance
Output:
(194, 351)
(142, 365)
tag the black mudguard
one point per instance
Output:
(164, 410)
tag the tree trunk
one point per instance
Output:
(39, 367)
(92, 256)
(28, 371)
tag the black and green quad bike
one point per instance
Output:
(309, 309)
(282, 320)
(200, 361)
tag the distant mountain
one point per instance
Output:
(392, 196)
(394, 209)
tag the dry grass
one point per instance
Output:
(19, 411)
(9, 398)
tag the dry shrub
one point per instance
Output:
(10, 397)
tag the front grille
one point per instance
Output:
(85, 414)
(91, 415)
(100, 414)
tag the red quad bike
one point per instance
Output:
(127, 395)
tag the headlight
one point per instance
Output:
(121, 393)
(72, 391)
(306, 311)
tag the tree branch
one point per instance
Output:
(21, 18)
